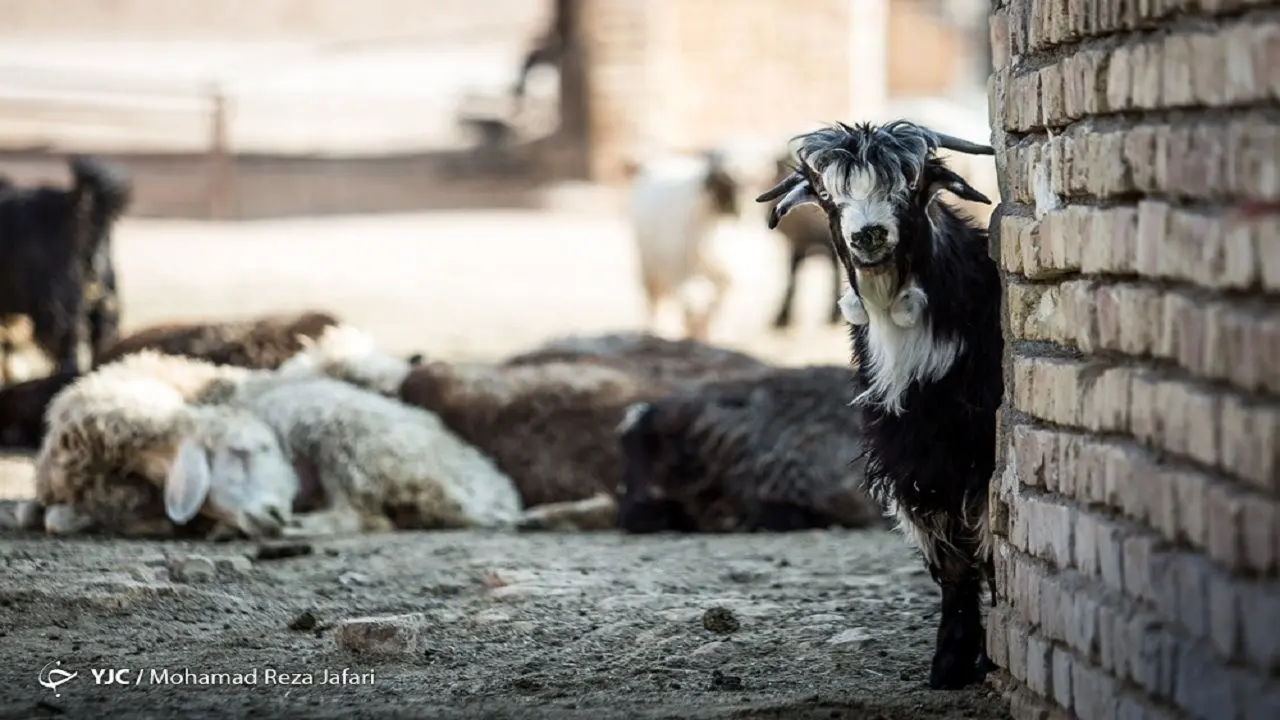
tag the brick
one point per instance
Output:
(1260, 607)
(1094, 694)
(1079, 300)
(1053, 111)
(1110, 543)
(1153, 655)
(1090, 471)
(1153, 227)
(1266, 238)
(1176, 73)
(1253, 163)
(1224, 510)
(1137, 553)
(1140, 155)
(1062, 664)
(1120, 79)
(1190, 498)
(1247, 344)
(1266, 57)
(1189, 605)
(1193, 432)
(1111, 627)
(1061, 148)
(1138, 301)
(1260, 522)
(1039, 675)
(1028, 580)
(1105, 399)
(1251, 441)
(1082, 623)
(1203, 687)
(1069, 448)
(1146, 67)
(1146, 422)
(1208, 72)
(997, 628)
(1087, 544)
(1243, 83)
(1053, 615)
(1012, 228)
(1035, 449)
(998, 26)
(1017, 643)
(1224, 617)
(1050, 531)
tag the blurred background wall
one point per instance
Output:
(290, 107)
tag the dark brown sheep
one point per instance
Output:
(261, 343)
(548, 418)
(775, 452)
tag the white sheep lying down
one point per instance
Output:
(152, 442)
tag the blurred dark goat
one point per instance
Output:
(807, 236)
(924, 307)
(779, 451)
(56, 262)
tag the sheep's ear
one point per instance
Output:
(188, 483)
(794, 190)
(941, 178)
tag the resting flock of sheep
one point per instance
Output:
(302, 425)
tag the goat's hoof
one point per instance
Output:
(952, 672)
(782, 322)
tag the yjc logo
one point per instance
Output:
(52, 675)
(109, 676)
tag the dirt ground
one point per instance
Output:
(467, 625)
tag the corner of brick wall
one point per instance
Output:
(1137, 505)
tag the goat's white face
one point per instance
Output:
(864, 210)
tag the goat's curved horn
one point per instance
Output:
(949, 142)
(787, 185)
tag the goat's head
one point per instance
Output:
(872, 182)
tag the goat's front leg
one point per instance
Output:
(960, 656)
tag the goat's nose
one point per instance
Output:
(870, 236)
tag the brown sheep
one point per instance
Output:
(547, 418)
(777, 452)
(261, 343)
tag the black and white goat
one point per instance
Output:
(925, 314)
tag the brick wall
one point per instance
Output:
(1136, 508)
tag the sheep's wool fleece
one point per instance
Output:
(381, 453)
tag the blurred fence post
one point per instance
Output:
(220, 180)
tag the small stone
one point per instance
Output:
(304, 621)
(354, 578)
(490, 617)
(720, 620)
(386, 635)
(234, 565)
(720, 681)
(147, 573)
(283, 550)
(850, 639)
(331, 552)
(194, 568)
(712, 653)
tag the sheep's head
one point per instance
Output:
(643, 504)
(871, 181)
(232, 469)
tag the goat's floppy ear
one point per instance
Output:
(941, 178)
(794, 190)
(188, 483)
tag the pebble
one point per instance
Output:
(720, 620)
(305, 620)
(720, 681)
(235, 564)
(193, 568)
(490, 617)
(354, 578)
(851, 638)
(713, 653)
(387, 635)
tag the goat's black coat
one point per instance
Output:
(56, 262)
(777, 451)
(936, 458)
